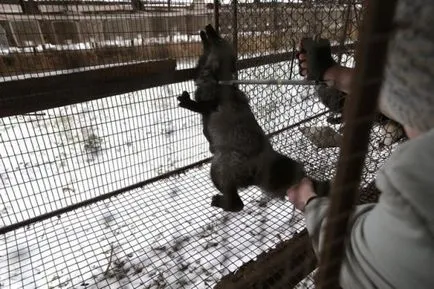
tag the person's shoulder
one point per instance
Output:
(416, 153)
(407, 181)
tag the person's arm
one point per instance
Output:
(315, 213)
(340, 77)
(357, 257)
(316, 63)
(303, 197)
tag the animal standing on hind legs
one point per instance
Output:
(242, 153)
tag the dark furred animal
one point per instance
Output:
(242, 153)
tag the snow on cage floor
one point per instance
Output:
(70, 154)
(164, 235)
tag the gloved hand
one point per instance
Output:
(318, 57)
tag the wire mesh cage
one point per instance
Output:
(105, 180)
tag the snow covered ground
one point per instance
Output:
(164, 235)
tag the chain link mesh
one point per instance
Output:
(164, 234)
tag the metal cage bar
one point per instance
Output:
(360, 112)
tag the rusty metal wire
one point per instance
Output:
(359, 119)
(144, 217)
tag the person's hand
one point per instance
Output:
(300, 194)
(315, 58)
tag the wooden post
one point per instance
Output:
(282, 267)
(359, 114)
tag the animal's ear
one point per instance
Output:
(205, 41)
(212, 34)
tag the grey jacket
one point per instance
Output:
(391, 243)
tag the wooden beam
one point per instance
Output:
(282, 267)
(23, 96)
(29, 95)
(33, 94)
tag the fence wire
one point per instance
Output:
(163, 234)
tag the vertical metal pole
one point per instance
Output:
(275, 31)
(359, 113)
(293, 56)
(345, 30)
(235, 30)
(217, 15)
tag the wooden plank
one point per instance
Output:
(282, 267)
(57, 90)
(23, 96)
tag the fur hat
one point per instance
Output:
(407, 95)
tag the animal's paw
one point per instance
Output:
(219, 201)
(185, 97)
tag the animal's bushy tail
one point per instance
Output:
(286, 172)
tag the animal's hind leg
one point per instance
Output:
(228, 200)
(207, 135)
